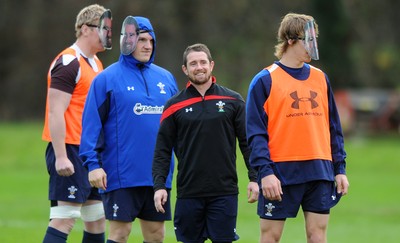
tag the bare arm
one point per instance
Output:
(58, 103)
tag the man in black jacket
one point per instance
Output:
(201, 125)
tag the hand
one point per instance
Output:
(98, 178)
(252, 192)
(160, 198)
(342, 184)
(271, 188)
(64, 167)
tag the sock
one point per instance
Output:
(111, 241)
(54, 236)
(93, 238)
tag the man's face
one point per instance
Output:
(92, 33)
(128, 39)
(198, 68)
(144, 47)
(300, 52)
(105, 32)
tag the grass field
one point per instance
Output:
(370, 213)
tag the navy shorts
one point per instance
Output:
(314, 196)
(127, 204)
(198, 219)
(75, 188)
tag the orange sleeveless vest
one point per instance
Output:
(73, 114)
(298, 116)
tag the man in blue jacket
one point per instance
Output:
(120, 124)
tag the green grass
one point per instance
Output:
(370, 213)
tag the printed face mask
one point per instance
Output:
(129, 35)
(104, 28)
(310, 40)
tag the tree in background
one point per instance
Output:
(358, 47)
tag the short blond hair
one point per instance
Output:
(88, 15)
(291, 28)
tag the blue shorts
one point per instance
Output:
(314, 196)
(127, 204)
(75, 188)
(198, 219)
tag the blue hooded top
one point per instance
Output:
(122, 116)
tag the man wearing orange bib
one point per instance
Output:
(294, 131)
(68, 81)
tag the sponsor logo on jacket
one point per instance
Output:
(140, 109)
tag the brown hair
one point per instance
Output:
(291, 28)
(197, 48)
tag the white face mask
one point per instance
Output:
(104, 28)
(310, 40)
(129, 35)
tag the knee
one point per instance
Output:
(154, 236)
(153, 231)
(92, 213)
(269, 238)
(270, 234)
(121, 233)
(93, 216)
(63, 225)
(316, 236)
(96, 227)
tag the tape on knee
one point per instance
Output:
(65, 212)
(92, 212)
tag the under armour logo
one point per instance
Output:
(189, 109)
(130, 88)
(297, 100)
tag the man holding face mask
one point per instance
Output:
(69, 79)
(120, 124)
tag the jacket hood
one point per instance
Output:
(144, 26)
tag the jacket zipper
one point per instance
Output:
(144, 79)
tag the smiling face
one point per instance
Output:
(128, 39)
(198, 68)
(105, 32)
